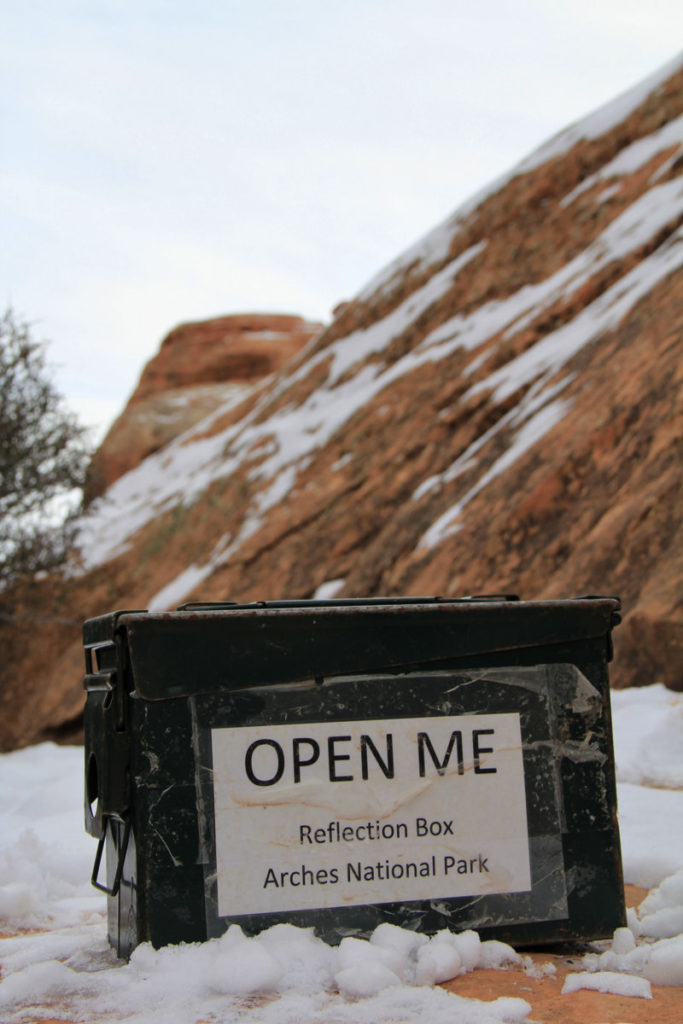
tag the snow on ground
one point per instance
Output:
(60, 961)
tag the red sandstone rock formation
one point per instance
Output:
(501, 409)
(199, 368)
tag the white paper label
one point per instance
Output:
(329, 814)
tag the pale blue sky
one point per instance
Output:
(166, 161)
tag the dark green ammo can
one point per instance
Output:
(427, 762)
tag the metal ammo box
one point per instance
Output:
(432, 763)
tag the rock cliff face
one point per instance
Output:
(198, 367)
(500, 409)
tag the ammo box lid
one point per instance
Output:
(204, 648)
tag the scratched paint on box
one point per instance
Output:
(329, 814)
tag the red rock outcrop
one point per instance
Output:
(243, 347)
(199, 368)
(500, 410)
